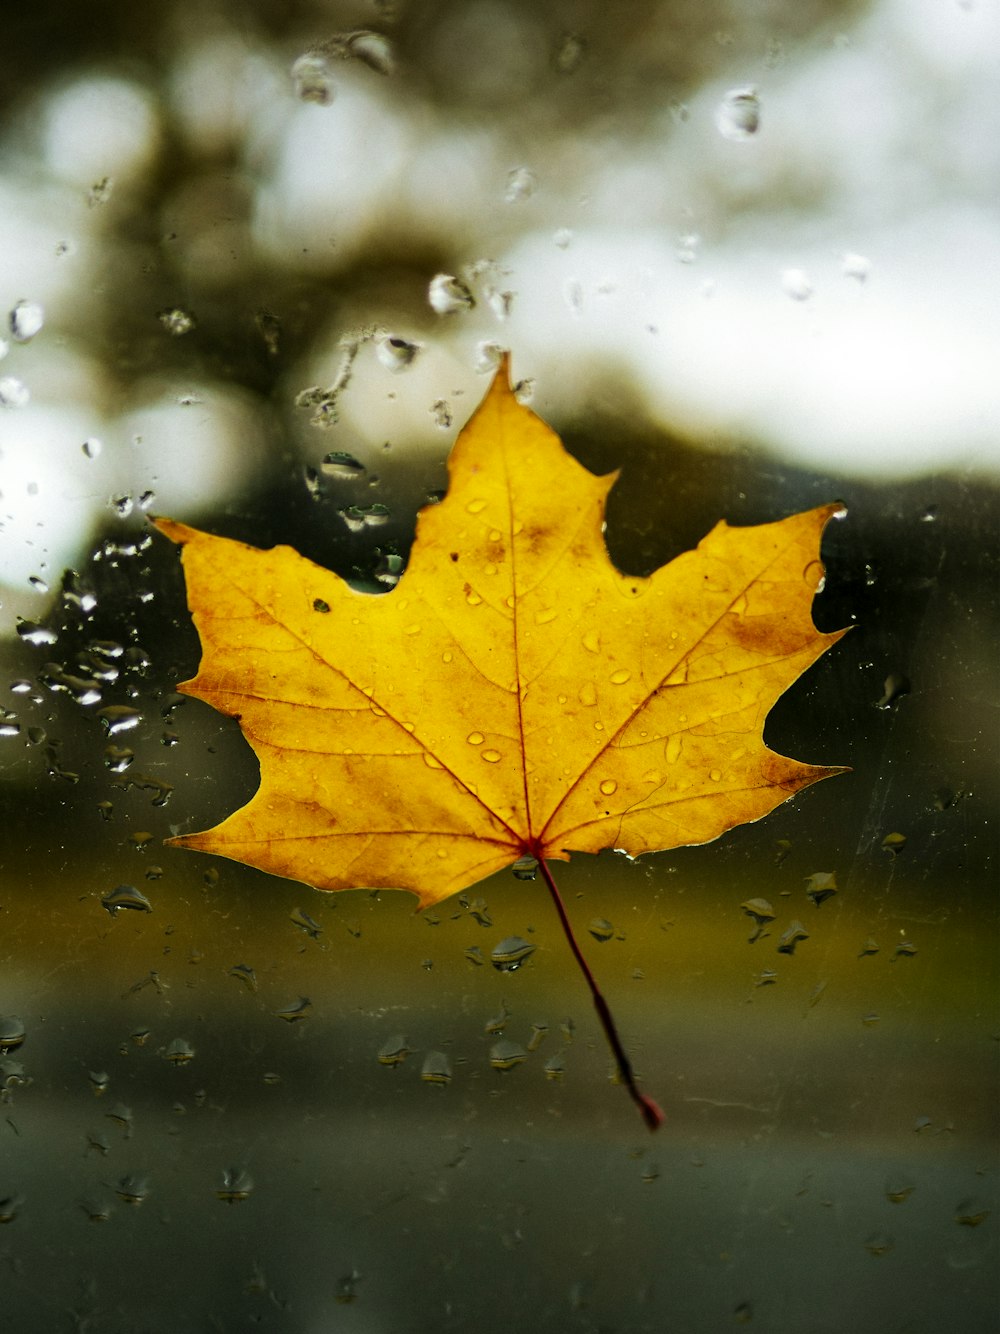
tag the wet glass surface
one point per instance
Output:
(232, 1102)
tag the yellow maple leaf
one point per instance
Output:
(515, 695)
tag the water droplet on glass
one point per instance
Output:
(715, 775)
(488, 357)
(132, 1189)
(14, 393)
(441, 410)
(855, 266)
(475, 955)
(475, 738)
(11, 1033)
(345, 1290)
(608, 787)
(358, 517)
(245, 974)
(539, 1032)
(791, 937)
(878, 1244)
(737, 116)
(394, 353)
(898, 1192)
(100, 192)
(179, 1052)
(26, 320)
(504, 1055)
(620, 677)
(342, 466)
(555, 1066)
(511, 953)
(500, 302)
(491, 756)
(895, 687)
(904, 950)
(525, 868)
(894, 844)
(688, 247)
(795, 283)
(389, 569)
(759, 909)
(312, 78)
(235, 1186)
(436, 1068)
(176, 321)
(448, 295)
(821, 886)
(521, 184)
(478, 911)
(869, 947)
(569, 52)
(373, 49)
(394, 1051)
(119, 718)
(587, 694)
(295, 1012)
(601, 929)
(118, 758)
(971, 1213)
(762, 913)
(305, 923)
(499, 1021)
(125, 897)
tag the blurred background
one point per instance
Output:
(257, 265)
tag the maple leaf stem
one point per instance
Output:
(648, 1109)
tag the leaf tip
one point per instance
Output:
(170, 528)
